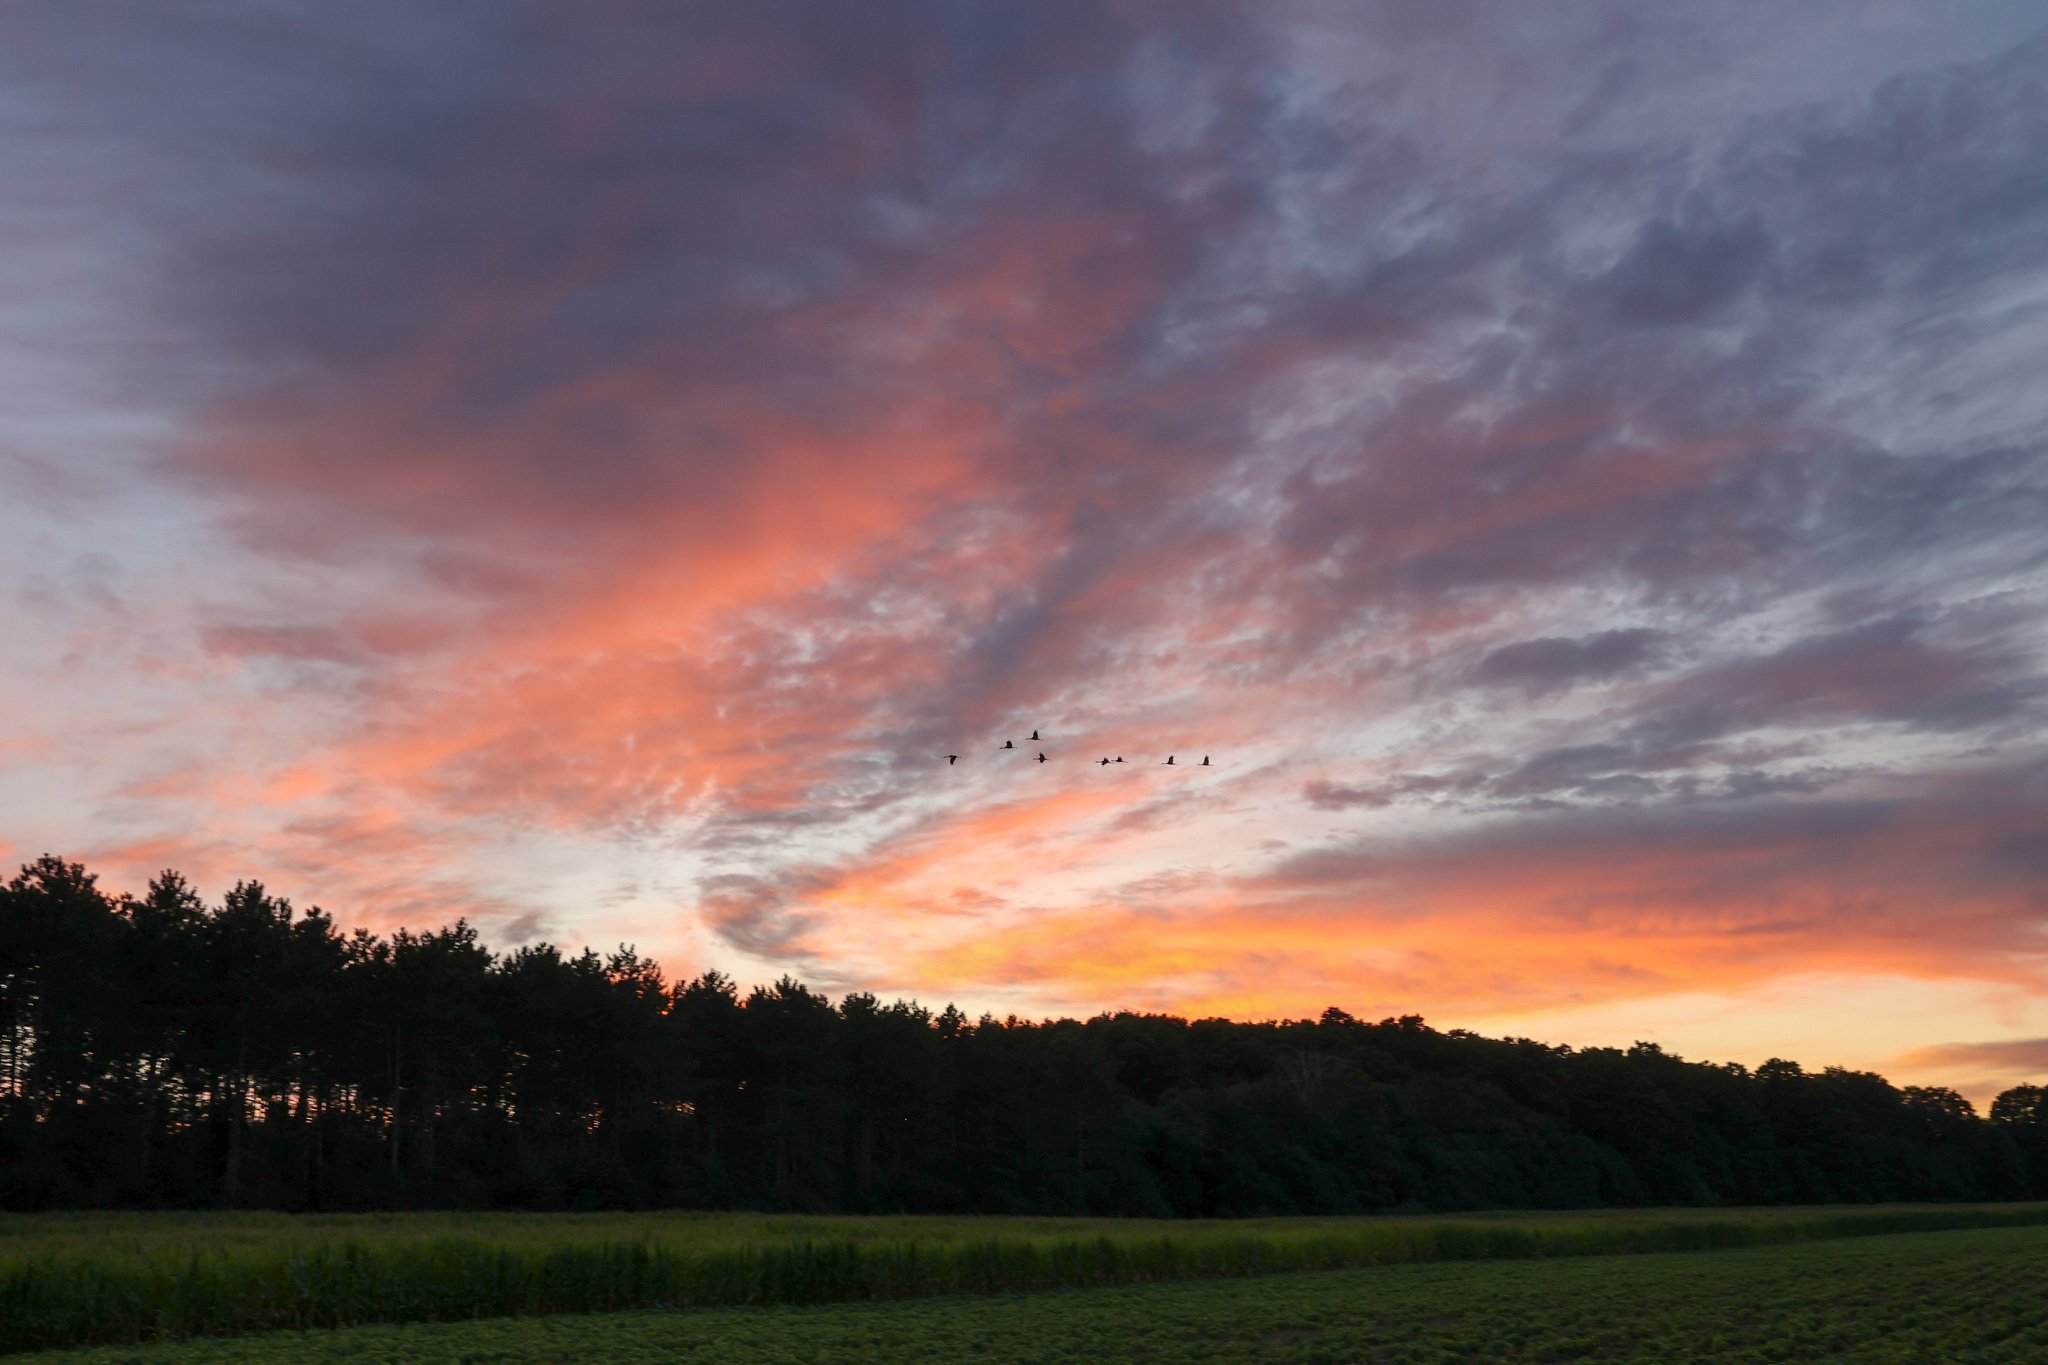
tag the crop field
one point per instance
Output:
(84, 1279)
(1934, 1296)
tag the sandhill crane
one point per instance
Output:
(1008, 745)
(951, 759)
(1041, 758)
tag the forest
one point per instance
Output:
(163, 1052)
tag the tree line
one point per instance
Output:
(160, 1051)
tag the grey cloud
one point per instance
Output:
(1594, 769)
(524, 927)
(1898, 669)
(1590, 774)
(1792, 193)
(754, 914)
(1681, 273)
(2019, 1056)
(1748, 785)
(1326, 795)
(1867, 865)
(1557, 661)
(1913, 671)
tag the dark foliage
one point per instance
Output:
(163, 1052)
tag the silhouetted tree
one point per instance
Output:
(162, 1052)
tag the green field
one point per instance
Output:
(108, 1279)
(1937, 1296)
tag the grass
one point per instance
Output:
(1966, 1296)
(77, 1280)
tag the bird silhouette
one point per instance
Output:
(1119, 758)
(1168, 763)
(1034, 734)
(1205, 760)
(1041, 758)
(951, 759)
(1008, 745)
(1103, 760)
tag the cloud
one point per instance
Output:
(1613, 902)
(1327, 795)
(1684, 273)
(1896, 669)
(1583, 486)
(1556, 661)
(2017, 1055)
(1986, 1068)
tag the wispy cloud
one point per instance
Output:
(1580, 479)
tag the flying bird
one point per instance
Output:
(1205, 760)
(1041, 758)
(1103, 760)
(1119, 758)
(1008, 745)
(1034, 734)
(1168, 763)
(951, 759)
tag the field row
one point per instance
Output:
(1976, 1296)
(128, 1292)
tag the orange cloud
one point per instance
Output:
(599, 487)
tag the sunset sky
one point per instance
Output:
(1579, 470)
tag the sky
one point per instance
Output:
(1580, 472)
